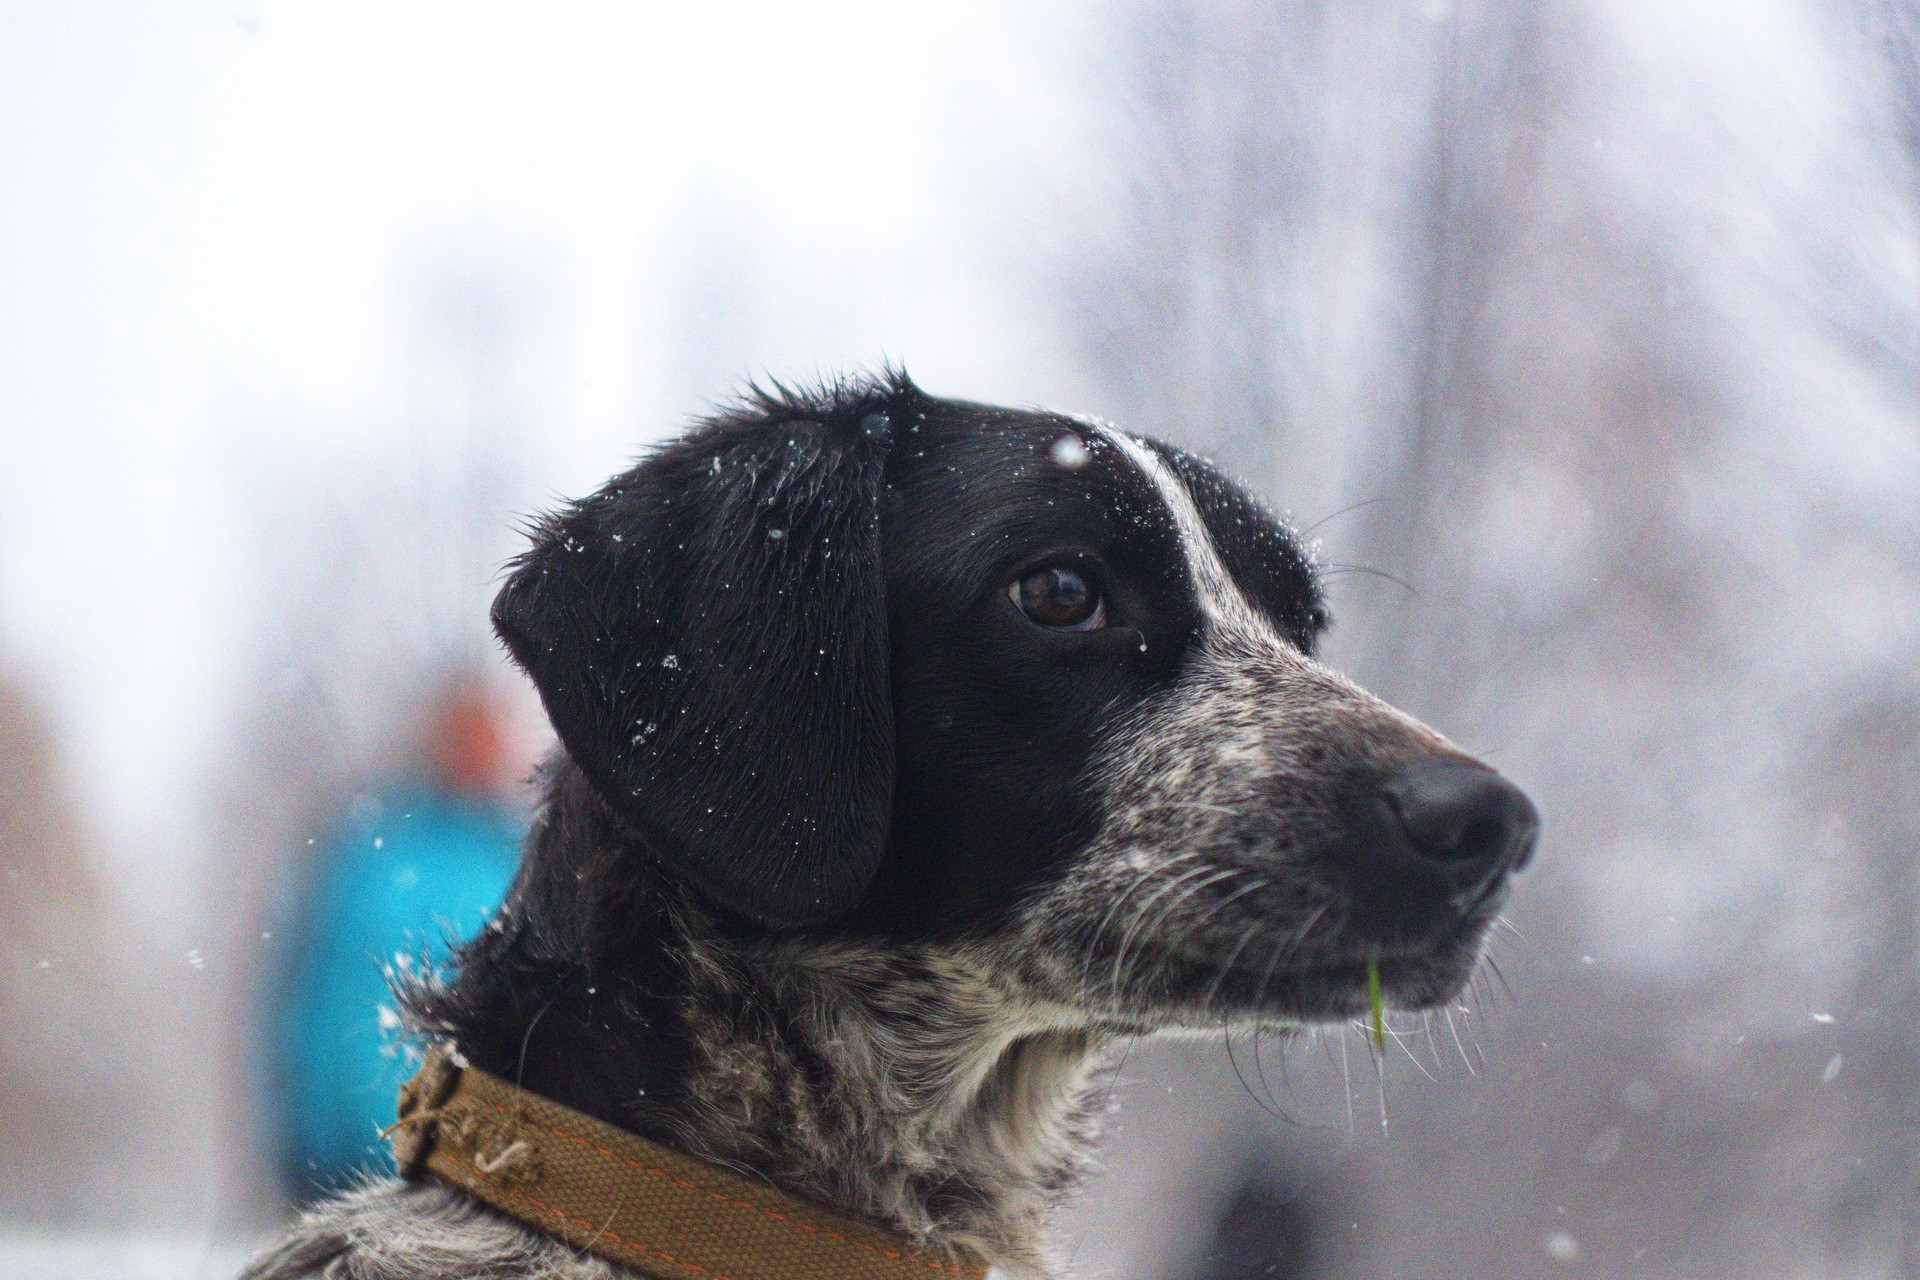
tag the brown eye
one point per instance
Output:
(1059, 600)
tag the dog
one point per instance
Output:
(913, 754)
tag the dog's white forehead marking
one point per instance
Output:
(1225, 607)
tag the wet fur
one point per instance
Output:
(1140, 831)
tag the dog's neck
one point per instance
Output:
(900, 1084)
(902, 1088)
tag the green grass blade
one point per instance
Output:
(1377, 1006)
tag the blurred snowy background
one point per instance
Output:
(1585, 334)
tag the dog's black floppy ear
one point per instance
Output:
(709, 635)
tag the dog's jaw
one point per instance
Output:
(911, 1087)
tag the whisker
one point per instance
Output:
(1334, 569)
(1346, 1078)
(1473, 1030)
(1380, 1085)
(1241, 1077)
(1120, 899)
(1139, 917)
(1201, 805)
(1448, 1012)
(1140, 880)
(1226, 966)
(1401, 1040)
(1358, 506)
(1286, 950)
(1167, 913)
(1494, 965)
(1260, 1070)
(1125, 1053)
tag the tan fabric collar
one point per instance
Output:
(635, 1202)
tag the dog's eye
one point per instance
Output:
(1059, 600)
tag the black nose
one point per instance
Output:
(1467, 819)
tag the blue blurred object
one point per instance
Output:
(389, 888)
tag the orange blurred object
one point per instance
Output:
(468, 743)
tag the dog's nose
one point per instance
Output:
(1464, 818)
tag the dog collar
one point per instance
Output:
(628, 1200)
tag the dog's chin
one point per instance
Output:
(1330, 986)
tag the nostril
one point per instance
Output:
(1477, 840)
(1462, 814)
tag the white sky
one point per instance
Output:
(216, 217)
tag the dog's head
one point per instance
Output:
(873, 663)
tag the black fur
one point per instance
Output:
(709, 635)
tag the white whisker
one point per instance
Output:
(1139, 917)
(1346, 1078)
(1457, 1044)
(1401, 1040)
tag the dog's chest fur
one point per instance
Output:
(913, 1089)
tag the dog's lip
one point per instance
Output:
(1332, 983)
(1354, 950)
(1352, 971)
(1494, 896)
(1334, 992)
